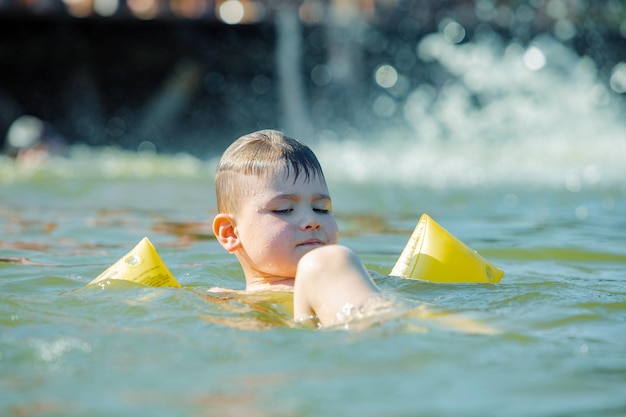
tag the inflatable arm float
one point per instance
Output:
(433, 254)
(142, 265)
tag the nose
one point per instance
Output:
(311, 222)
(314, 225)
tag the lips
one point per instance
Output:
(311, 242)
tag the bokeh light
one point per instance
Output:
(231, 12)
(386, 76)
(618, 78)
(534, 59)
(143, 9)
(105, 8)
(453, 32)
(79, 8)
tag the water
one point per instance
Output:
(545, 201)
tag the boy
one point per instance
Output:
(275, 216)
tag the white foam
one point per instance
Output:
(510, 114)
(535, 115)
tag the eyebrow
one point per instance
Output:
(294, 196)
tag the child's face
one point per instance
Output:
(279, 221)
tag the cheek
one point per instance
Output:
(276, 251)
(332, 231)
(275, 236)
(266, 234)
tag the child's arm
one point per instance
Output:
(331, 280)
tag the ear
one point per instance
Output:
(226, 232)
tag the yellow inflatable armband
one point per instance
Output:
(141, 265)
(433, 254)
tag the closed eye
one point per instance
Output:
(321, 211)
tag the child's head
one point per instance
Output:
(274, 206)
(262, 154)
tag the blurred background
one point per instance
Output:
(192, 75)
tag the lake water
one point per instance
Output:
(534, 183)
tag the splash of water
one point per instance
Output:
(510, 114)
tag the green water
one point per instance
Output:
(67, 350)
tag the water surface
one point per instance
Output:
(67, 349)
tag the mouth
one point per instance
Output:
(311, 243)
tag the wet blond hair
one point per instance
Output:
(262, 154)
